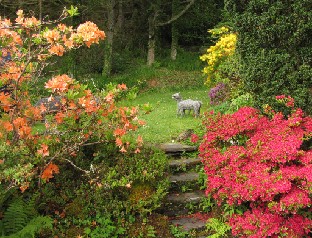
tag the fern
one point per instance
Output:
(22, 220)
(15, 217)
(33, 227)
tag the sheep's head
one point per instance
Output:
(177, 96)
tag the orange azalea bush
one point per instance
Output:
(82, 119)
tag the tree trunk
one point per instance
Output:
(120, 19)
(151, 39)
(108, 52)
(40, 10)
(153, 25)
(174, 31)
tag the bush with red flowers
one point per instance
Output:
(258, 160)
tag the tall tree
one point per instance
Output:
(174, 31)
(154, 22)
(108, 53)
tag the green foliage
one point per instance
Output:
(123, 188)
(207, 204)
(73, 11)
(220, 228)
(177, 232)
(240, 101)
(185, 61)
(275, 49)
(21, 220)
(147, 108)
(33, 227)
(105, 229)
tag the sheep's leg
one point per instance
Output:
(197, 111)
(182, 112)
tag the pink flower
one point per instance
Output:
(194, 138)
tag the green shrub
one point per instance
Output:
(122, 187)
(275, 48)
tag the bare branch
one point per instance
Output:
(75, 166)
(176, 17)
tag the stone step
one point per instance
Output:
(177, 204)
(194, 197)
(187, 181)
(184, 177)
(183, 164)
(176, 148)
(189, 223)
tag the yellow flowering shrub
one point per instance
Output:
(218, 53)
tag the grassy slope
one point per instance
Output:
(162, 123)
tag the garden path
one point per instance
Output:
(182, 203)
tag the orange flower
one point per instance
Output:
(90, 33)
(109, 97)
(20, 13)
(7, 126)
(5, 100)
(25, 132)
(49, 171)
(5, 23)
(59, 117)
(19, 122)
(134, 111)
(62, 27)
(119, 132)
(59, 83)
(31, 22)
(72, 106)
(123, 150)
(122, 86)
(118, 142)
(69, 44)
(33, 112)
(51, 35)
(24, 186)
(42, 108)
(57, 50)
(142, 123)
(140, 140)
(44, 151)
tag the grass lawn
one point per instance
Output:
(162, 123)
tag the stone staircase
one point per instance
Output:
(182, 201)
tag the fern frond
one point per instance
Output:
(21, 219)
(14, 217)
(33, 227)
(30, 208)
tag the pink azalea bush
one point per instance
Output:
(257, 160)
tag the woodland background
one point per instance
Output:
(135, 29)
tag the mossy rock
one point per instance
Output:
(155, 224)
(141, 192)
